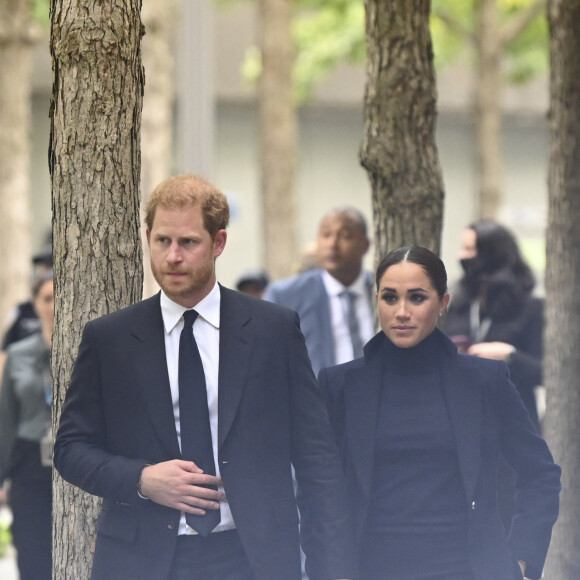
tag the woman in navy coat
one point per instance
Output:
(421, 429)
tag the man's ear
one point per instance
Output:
(219, 242)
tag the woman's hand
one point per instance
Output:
(492, 350)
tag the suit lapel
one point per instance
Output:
(236, 344)
(362, 402)
(147, 351)
(463, 397)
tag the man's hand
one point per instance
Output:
(176, 484)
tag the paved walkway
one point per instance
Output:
(8, 569)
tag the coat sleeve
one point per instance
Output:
(332, 391)
(537, 478)
(80, 449)
(326, 529)
(9, 413)
(525, 364)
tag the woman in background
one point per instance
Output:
(421, 429)
(25, 422)
(494, 315)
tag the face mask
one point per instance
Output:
(473, 274)
(469, 265)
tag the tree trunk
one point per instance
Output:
(278, 136)
(488, 113)
(17, 36)
(562, 338)
(398, 148)
(157, 121)
(94, 162)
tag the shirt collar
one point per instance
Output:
(334, 287)
(208, 309)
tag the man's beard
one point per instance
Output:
(196, 279)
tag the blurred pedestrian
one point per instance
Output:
(23, 320)
(26, 438)
(334, 299)
(253, 282)
(494, 308)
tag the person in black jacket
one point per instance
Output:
(421, 429)
(23, 319)
(26, 439)
(493, 315)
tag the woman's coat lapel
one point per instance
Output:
(463, 396)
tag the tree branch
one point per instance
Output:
(521, 22)
(453, 24)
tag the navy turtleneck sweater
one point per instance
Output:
(419, 504)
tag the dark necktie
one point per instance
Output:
(353, 325)
(194, 417)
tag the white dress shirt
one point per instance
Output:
(206, 330)
(339, 322)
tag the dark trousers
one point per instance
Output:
(31, 505)
(220, 556)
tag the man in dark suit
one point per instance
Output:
(124, 435)
(335, 300)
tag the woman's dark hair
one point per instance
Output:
(431, 264)
(39, 281)
(498, 271)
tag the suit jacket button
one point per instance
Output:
(171, 526)
(472, 505)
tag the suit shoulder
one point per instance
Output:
(25, 345)
(294, 285)
(492, 372)
(256, 306)
(127, 313)
(535, 307)
(475, 362)
(341, 369)
(333, 380)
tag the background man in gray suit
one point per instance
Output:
(334, 301)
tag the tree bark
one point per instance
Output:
(94, 160)
(398, 148)
(562, 337)
(17, 36)
(158, 100)
(278, 136)
(488, 108)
